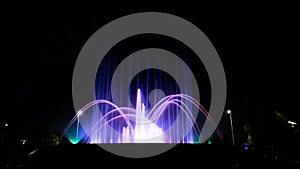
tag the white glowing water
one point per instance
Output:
(144, 131)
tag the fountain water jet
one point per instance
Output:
(141, 126)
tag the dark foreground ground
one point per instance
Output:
(182, 155)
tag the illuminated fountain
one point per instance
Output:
(141, 126)
(144, 128)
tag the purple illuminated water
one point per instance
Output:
(141, 126)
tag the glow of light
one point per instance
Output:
(209, 141)
(74, 135)
(79, 113)
(228, 111)
(24, 141)
(292, 123)
(6, 124)
(74, 141)
(246, 146)
(33, 152)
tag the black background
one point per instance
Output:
(257, 43)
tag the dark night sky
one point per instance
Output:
(257, 43)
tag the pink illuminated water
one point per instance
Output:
(141, 126)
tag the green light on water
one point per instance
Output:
(72, 136)
(209, 141)
(73, 141)
(196, 141)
